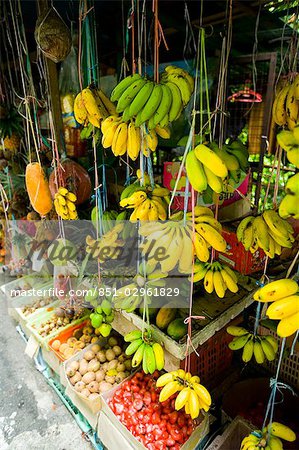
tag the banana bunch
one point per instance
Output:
(109, 246)
(261, 347)
(156, 104)
(125, 137)
(178, 242)
(268, 231)
(289, 206)
(102, 317)
(285, 111)
(64, 203)
(192, 395)
(148, 203)
(205, 168)
(145, 351)
(289, 141)
(235, 156)
(92, 106)
(217, 277)
(131, 296)
(269, 438)
(285, 307)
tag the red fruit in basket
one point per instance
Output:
(147, 398)
(173, 417)
(138, 404)
(181, 420)
(170, 442)
(118, 408)
(156, 418)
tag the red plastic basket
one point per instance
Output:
(213, 359)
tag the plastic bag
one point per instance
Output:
(69, 87)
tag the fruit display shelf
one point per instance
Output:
(29, 282)
(24, 318)
(218, 313)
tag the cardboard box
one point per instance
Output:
(238, 258)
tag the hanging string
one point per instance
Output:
(190, 43)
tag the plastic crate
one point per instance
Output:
(64, 336)
(212, 360)
(289, 369)
(238, 258)
(233, 435)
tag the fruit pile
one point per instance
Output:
(289, 205)
(92, 106)
(125, 137)
(148, 204)
(107, 246)
(212, 167)
(64, 202)
(156, 425)
(40, 303)
(102, 317)
(81, 337)
(192, 396)
(99, 369)
(145, 351)
(178, 240)
(285, 307)
(217, 277)
(269, 438)
(268, 231)
(261, 347)
(285, 111)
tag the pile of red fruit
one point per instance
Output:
(158, 426)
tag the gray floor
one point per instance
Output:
(32, 417)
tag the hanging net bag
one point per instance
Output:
(53, 36)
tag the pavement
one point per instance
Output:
(32, 416)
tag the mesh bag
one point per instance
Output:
(53, 36)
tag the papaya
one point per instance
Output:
(165, 316)
(177, 329)
(38, 188)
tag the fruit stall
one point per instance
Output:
(149, 241)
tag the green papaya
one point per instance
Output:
(177, 329)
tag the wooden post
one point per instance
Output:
(53, 95)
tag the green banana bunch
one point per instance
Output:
(145, 351)
(261, 347)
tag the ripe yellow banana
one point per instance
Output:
(119, 143)
(280, 115)
(208, 281)
(276, 290)
(80, 112)
(169, 389)
(282, 431)
(258, 352)
(229, 281)
(283, 308)
(211, 160)
(211, 236)
(182, 398)
(201, 248)
(193, 403)
(288, 325)
(219, 285)
(159, 355)
(134, 141)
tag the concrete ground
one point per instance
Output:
(32, 417)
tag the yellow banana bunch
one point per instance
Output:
(180, 243)
(269, 438)
(285, 109)
(145, 351)
(268, 231)
(289, 141)
(261, 347)
(109, 246)
(205, 168)
(148, 204)
(216, 277)
(285, 307)
(192, 395)
(91, 105)
(64, 202)
(125, 137)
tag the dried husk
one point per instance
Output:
(53, 36)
